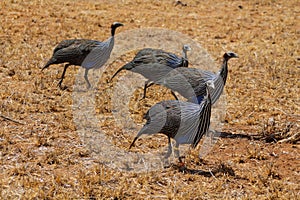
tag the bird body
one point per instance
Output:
(154, 64)
(152, 56)
(75, 51)
(89, 54)
(185, 122)
(190, 82)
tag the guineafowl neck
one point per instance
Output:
(111, 41)
(208, 98)
(184, 55)
(224, 70)
(185, 61)
(113, 31)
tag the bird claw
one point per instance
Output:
(62, 87)
(167, 166)
(181, 163)
(143, 98)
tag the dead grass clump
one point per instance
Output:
(274, 131)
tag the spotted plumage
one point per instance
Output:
(185, 122)
(190, 82)
(89, 54)
(154, 64)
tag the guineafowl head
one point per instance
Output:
(186, 48)
(114, 26)
(210, 83)
(229, 55)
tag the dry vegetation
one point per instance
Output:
(257, 155)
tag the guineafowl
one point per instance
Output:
(185, 122)
(154, 64)
(89, 54)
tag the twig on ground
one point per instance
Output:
(293, 138)
(10, 119)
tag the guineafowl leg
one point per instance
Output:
(63, 75)
(176, 151)
(166, 157)
(147, 85)
(169, 149)
(181, 164)
(86, 78)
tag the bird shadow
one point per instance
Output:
(220, 170)
(237, 135)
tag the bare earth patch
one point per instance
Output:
(257, 154)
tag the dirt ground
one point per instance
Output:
(42, 155)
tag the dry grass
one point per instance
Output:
(44, 157)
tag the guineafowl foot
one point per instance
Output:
(167, 166)
(143, 98)
(61, 87)
(180, 158)
(181, 167)
(181, 164)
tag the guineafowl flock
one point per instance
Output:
(184, 121)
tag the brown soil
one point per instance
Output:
(42, 155)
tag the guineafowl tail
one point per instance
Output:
(128, 66)
(50, 62)
(145, 130)
(131, 145)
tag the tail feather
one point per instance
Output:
(50, 62)
(131, 145)
(127, 67)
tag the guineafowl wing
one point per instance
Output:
(152, 71)
(151, 56)
(71, 54)
(189, 123)
(143, 58)
(174, 61)
(179, 80)
(97, 53)
(204, 123)
(64, 44)
(156, 118)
